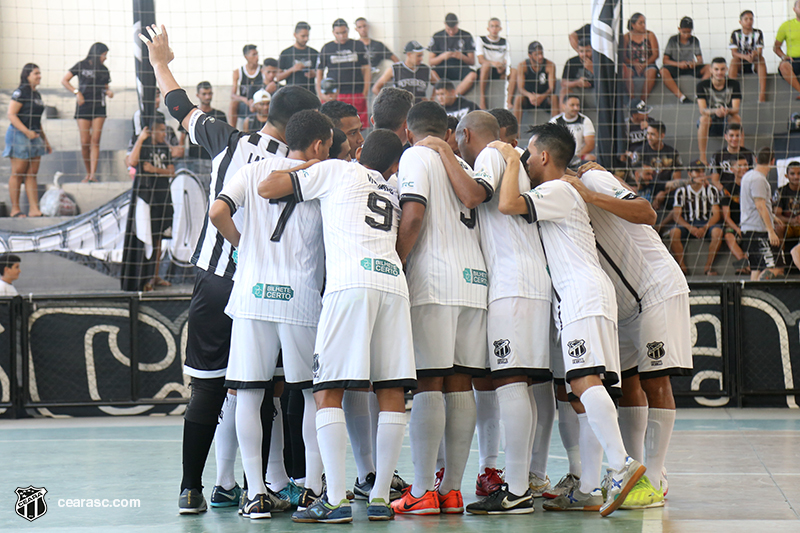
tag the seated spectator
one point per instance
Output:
(644, 184)
(377, 52)
(410, 74)
(345, 60)
(718, 100)
(635, 128)
(786, 202)
(270, 72)
(447, 95)
(258, 119)
(9, 273)
(789, 31)
(247, 79)
(494, 58)
(509, 127)
(340, 149)
(759, 226)
(298, 62)
(347, 118)
(581, 128)
(584, 33)
(578, 71)
(639, 55)
(536, 83)
(697, 214)
(453, 54)
(722, 162)
(731, 214)
(329, 89)
(666, 163)
(683, 57)
(452, 125)
(747, 51)
(390, 110)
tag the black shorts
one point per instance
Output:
(759, 252)
(697, 71)
(526, 104)
(90, 110)
(796, 66)
(747, 67)
(685, 235)
(453, 73)
(208, 340)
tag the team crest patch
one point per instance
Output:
(315, 365)
(655, 351)
(576, 350)
(502, 349)
(30, 502)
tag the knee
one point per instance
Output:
(675, 235)
(716, 233)
(705, 120)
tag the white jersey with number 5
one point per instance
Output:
(360, 215)
(446, 265)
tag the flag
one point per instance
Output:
(606, 15)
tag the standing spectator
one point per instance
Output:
(578, 71)
(683, 57)
(329, 89)
(9, 268)
(718, 100)
(298, 62)
(581, 128)
(410, 74)
(759, 236)
(722, 162)
(260, 115)
(176, 145)
(639, 55)
(346, 118)
(90, 109)
(377, 52)
(635, 128)
(447, 95)
(732, 214)
(536, 82)
(747, 51)
(786, 202)
(584, 33)
(453, 54)
(346, 62)
(199, 160)
(26, 142)
(247, 79)
(269, 71)
(494, 58)
(789, 31)
(697, 214)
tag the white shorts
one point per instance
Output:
(556, 353)
(364, 338)
(255, 345)
(449, 339)
(591, 347)
(518, 331)
(659, 342)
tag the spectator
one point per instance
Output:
(347, 118)
(635, 128)
(270, 72)
(258, 120)
(377, 52)
(411, 74)
(9, 265)
(175, 144)
(390, 109)
(731, 214)
(665, 162)
(298, 62)
(697, 214)
(718, 100)
(329, 89)
(581, 128)
(447, 95)
(90, 109)
(346, 62)
(453, 54)
(683, 57)
(578, 71)
(639, 55)
(789, 31)
(247, 79)
(198, 159)
(786, 202)
(644, 183)
(722, 162)
(536, 82)
(584, 33)
(452, 125)
(759, 235)
(340, 149)
(494, 58)
(747, 51)
(509, 127)
(26, 142)
(154, 168)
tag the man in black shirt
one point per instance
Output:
(297, 63)
(411, 74)
(635, 128)
(578, 71)
(718, 99)
(666, 163)
(456, 106)
(722, 162)
(376, 50)
(453, 54)
(584, 33)
(786, 206)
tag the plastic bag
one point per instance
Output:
(55, 202)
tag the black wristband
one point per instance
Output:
(178, 104)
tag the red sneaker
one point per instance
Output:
(451, 503)
(408, 504)
(488, 482)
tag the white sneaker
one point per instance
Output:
(618, 483)
(566, 485)
(575, 500)
(537, 484)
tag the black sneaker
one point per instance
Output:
(686, 100)
(307, 499)
(362, 490)
(192, 501)
(258, 507)
(502, 501)
(398, 486)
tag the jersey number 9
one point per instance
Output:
(380, 206)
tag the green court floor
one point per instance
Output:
(729, 470)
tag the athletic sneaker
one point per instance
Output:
(378, 509)
(451, 503)
(399, 484)
(502, 501)
(323, 512)
(278, 504)
(439, 477)
(362, 490)
(618, 483)
(488, 482)
(242, 501)
(290, 493)
(306, 499)
(537, 484)
(643, 495)
(192, 501)
(258, 507)
(428, 503)
(575, 500)
(225, 498)
(566, 485)
(349, 494)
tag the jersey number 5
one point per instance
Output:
(380, 206)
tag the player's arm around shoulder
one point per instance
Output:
(470, 191)
(413, 189)
(603, 190)
(511, 202)
(282, 183)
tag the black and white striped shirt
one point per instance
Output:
(744, 44)
(697, 205)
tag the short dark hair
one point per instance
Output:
(359, 19)
(158, 120)
(733, 126)
(427, 118)
(247, 48)
(584, 41)
(271, 62)
(381, 150)
(390, 108)
(765, 156)
(302, 26)
(337, 110)
(572, 96)
(339, 138)
(447, 85)
(657, 125)
(305, 127)
(792, 164)
(452, 123)
(746, 12)
(719, 59)
(204, 85)
(7, 261)
(290, 100)
(26, 71)
(506, 119)
(338, 23)
(556, 140)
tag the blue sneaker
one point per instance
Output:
(378, 509)
(225, 498)
(323, 512)
(291, 493)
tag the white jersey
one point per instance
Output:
(360, 215)
(446, 266)
(640, 281)
(280, 256)
(582, 287)
(511, 247)
(494, 51)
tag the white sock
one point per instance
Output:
(359, 429)
(426, 431)
(632, 425)
(660, 423)
(277, 478)
(332, 438)
(225, 444)
(440, 456)
(602, 417)
(515, 412)
(591, 457)
(569, 429)
(391, 428)
(459, 428)
(544, 401)
(374, 415)
(250, 434)
(488, 427)
(313, 479)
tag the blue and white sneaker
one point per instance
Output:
(618, 483)
(378, 509)
(291, 493)
(191, 501)
(323, 512)
(225, 498)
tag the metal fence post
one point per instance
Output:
(134, 342)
